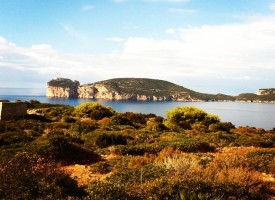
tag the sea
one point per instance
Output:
(259, 115)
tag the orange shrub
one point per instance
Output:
(103, 121)
(139, 161)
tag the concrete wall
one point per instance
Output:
(12, 110)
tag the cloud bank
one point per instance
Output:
(240, 55)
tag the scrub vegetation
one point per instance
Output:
(93, 152)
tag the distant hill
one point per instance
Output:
(129, 89)
(256, 98)
(144, 89)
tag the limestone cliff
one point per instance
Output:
(61, 87)
(101, 91)
(266, 91)
(140, 89)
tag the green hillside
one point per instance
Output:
(154, 87)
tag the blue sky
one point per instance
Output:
(213, 46)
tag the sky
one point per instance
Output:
(210, 46)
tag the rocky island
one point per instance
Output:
(144, 89)
(141, 89)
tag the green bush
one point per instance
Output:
(107, 139)
(138, 118)
(156, 127)
(184, 117)
(81, 128)
(257, 141)
(120, 119)
(193, 146)
(58, 112)
(221, 126)
(93, 110)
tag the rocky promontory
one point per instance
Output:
(141, 89)
(63, 88)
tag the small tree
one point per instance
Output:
(184, 117)
(94, 110)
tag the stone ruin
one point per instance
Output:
(12, 110)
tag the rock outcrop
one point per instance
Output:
(266, 91)
(63, 88)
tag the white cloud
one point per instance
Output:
(232, 55)
(272, 6)
(42, 47)
(5, 43)
(170, 31)
(180, 10)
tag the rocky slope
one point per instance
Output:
(128, 89)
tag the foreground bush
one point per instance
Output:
(185, 117)
(93, 110)
(60, 149)
(27, 176)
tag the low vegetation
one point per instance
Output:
(190, 154)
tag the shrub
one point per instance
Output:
(262, 160)
(27, 176)
(58, 112)
(221, 126)
(192, 146)
(81, 128)
(94, 110)
(61, 149)
(68, 119)
(120, 119)
(139, 161)
(9, 138)
(101, 167)
(255, 140)
(187, 165)
(155, 127)
(120, 184)
(185, 116)
(107, 139)
(138, 118)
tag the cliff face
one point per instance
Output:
(101, 91)
(61, 87)
(266, 91)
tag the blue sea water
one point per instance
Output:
(260, 115)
